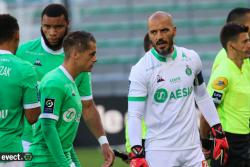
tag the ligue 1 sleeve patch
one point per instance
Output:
(217, 97)
(49, 105)
(220, 83)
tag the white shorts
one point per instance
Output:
(12, 164)
(173, 158)
(26, 145)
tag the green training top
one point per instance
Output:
(60, 100)
(18, 91)
(230, 89)
(44, 60)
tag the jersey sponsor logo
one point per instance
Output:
(220, 83)
(49, 105)
(188, 70)
(3, 114)
(162, 95)
(69, 115)
(159, 79)
(5, 71)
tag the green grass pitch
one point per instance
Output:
(92, 157)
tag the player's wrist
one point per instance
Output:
(217, 131)
(103, 140)
(137, 151)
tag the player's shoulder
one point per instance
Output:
(54, 78)
(31, 42)
(22, 64)
(30, 45)
(222, 70)
(146, 62)
(189, 53)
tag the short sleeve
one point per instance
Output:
(84, 85)
(218, 85)
(30, 91)
(51, 97)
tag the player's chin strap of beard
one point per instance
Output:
(53, 47)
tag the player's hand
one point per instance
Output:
(137, 157)
(221, 147)
(123, 156)
(108, 155)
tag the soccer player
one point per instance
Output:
(229, 85)
(240, 16)
(18, 91)
(164, 86)
(61, 105)
(46, 53)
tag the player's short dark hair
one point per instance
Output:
(8, 27)
(78, 40)
(147, 43)
(237, 15)
(230, 32)
(55, 10)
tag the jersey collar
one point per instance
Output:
(233, 66)
(47, 49)
(66, 73)
(5, 51)
(163, 58)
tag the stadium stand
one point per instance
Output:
(119, 27)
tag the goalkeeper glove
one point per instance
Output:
(221, 147)
(137, 157)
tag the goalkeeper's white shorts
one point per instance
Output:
(174, 158)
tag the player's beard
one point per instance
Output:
(58, 45)
(166, 51)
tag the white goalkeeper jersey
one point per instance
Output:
(165, 85)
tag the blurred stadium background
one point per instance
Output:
(119, 27)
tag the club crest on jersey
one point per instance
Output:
(188, 70)
(159, 79)
(38, 63)
(49, 105)
(220, 83)
(69, 115)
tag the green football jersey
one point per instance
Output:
(230, 89)
(44, 59)
(18, 91)
(60, 100)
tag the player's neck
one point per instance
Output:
(72, 70)
(7, 46)
(236, 59)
